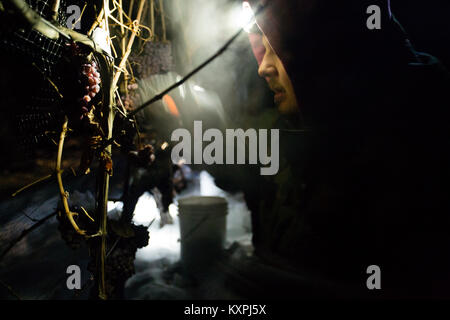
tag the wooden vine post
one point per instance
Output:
(55, 9)
(104, 172)
(105, 169)
(105, 164)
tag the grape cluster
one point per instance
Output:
(133, 86)
(82, 80)
(90, 78)
(120, 264)
(156, 59)
(119, 267)
(129, 101)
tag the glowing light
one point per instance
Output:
(247, 17)
(198, 88)
(164, 146)
(171, 105)
(182, 93)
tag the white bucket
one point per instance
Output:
(202, 231)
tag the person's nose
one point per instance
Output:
(267, 67)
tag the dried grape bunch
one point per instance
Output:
(118, 268)
(119, 264)
(129, 101)
(156, 59)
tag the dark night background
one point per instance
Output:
(426, 22)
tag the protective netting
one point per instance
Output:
(36, 111)
(41, 50)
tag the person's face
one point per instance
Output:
(272, 69)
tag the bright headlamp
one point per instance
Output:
(248, 20)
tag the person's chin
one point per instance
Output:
(286, 108)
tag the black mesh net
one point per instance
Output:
(32, 64)
(41, 50)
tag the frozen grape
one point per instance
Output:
(90, 77)
(91, 81)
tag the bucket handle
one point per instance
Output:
(187, 235)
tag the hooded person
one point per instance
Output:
(363, 135)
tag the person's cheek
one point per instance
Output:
(257, 46)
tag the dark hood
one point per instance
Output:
(373, 165)
(341, 70)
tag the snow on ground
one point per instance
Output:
(163, 251)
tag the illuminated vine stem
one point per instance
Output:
(152, 18)
(130, 44)
(123, 42)
(163, 21)
(55, 9)
(104, 172)
(64, 195)
(96, 22)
